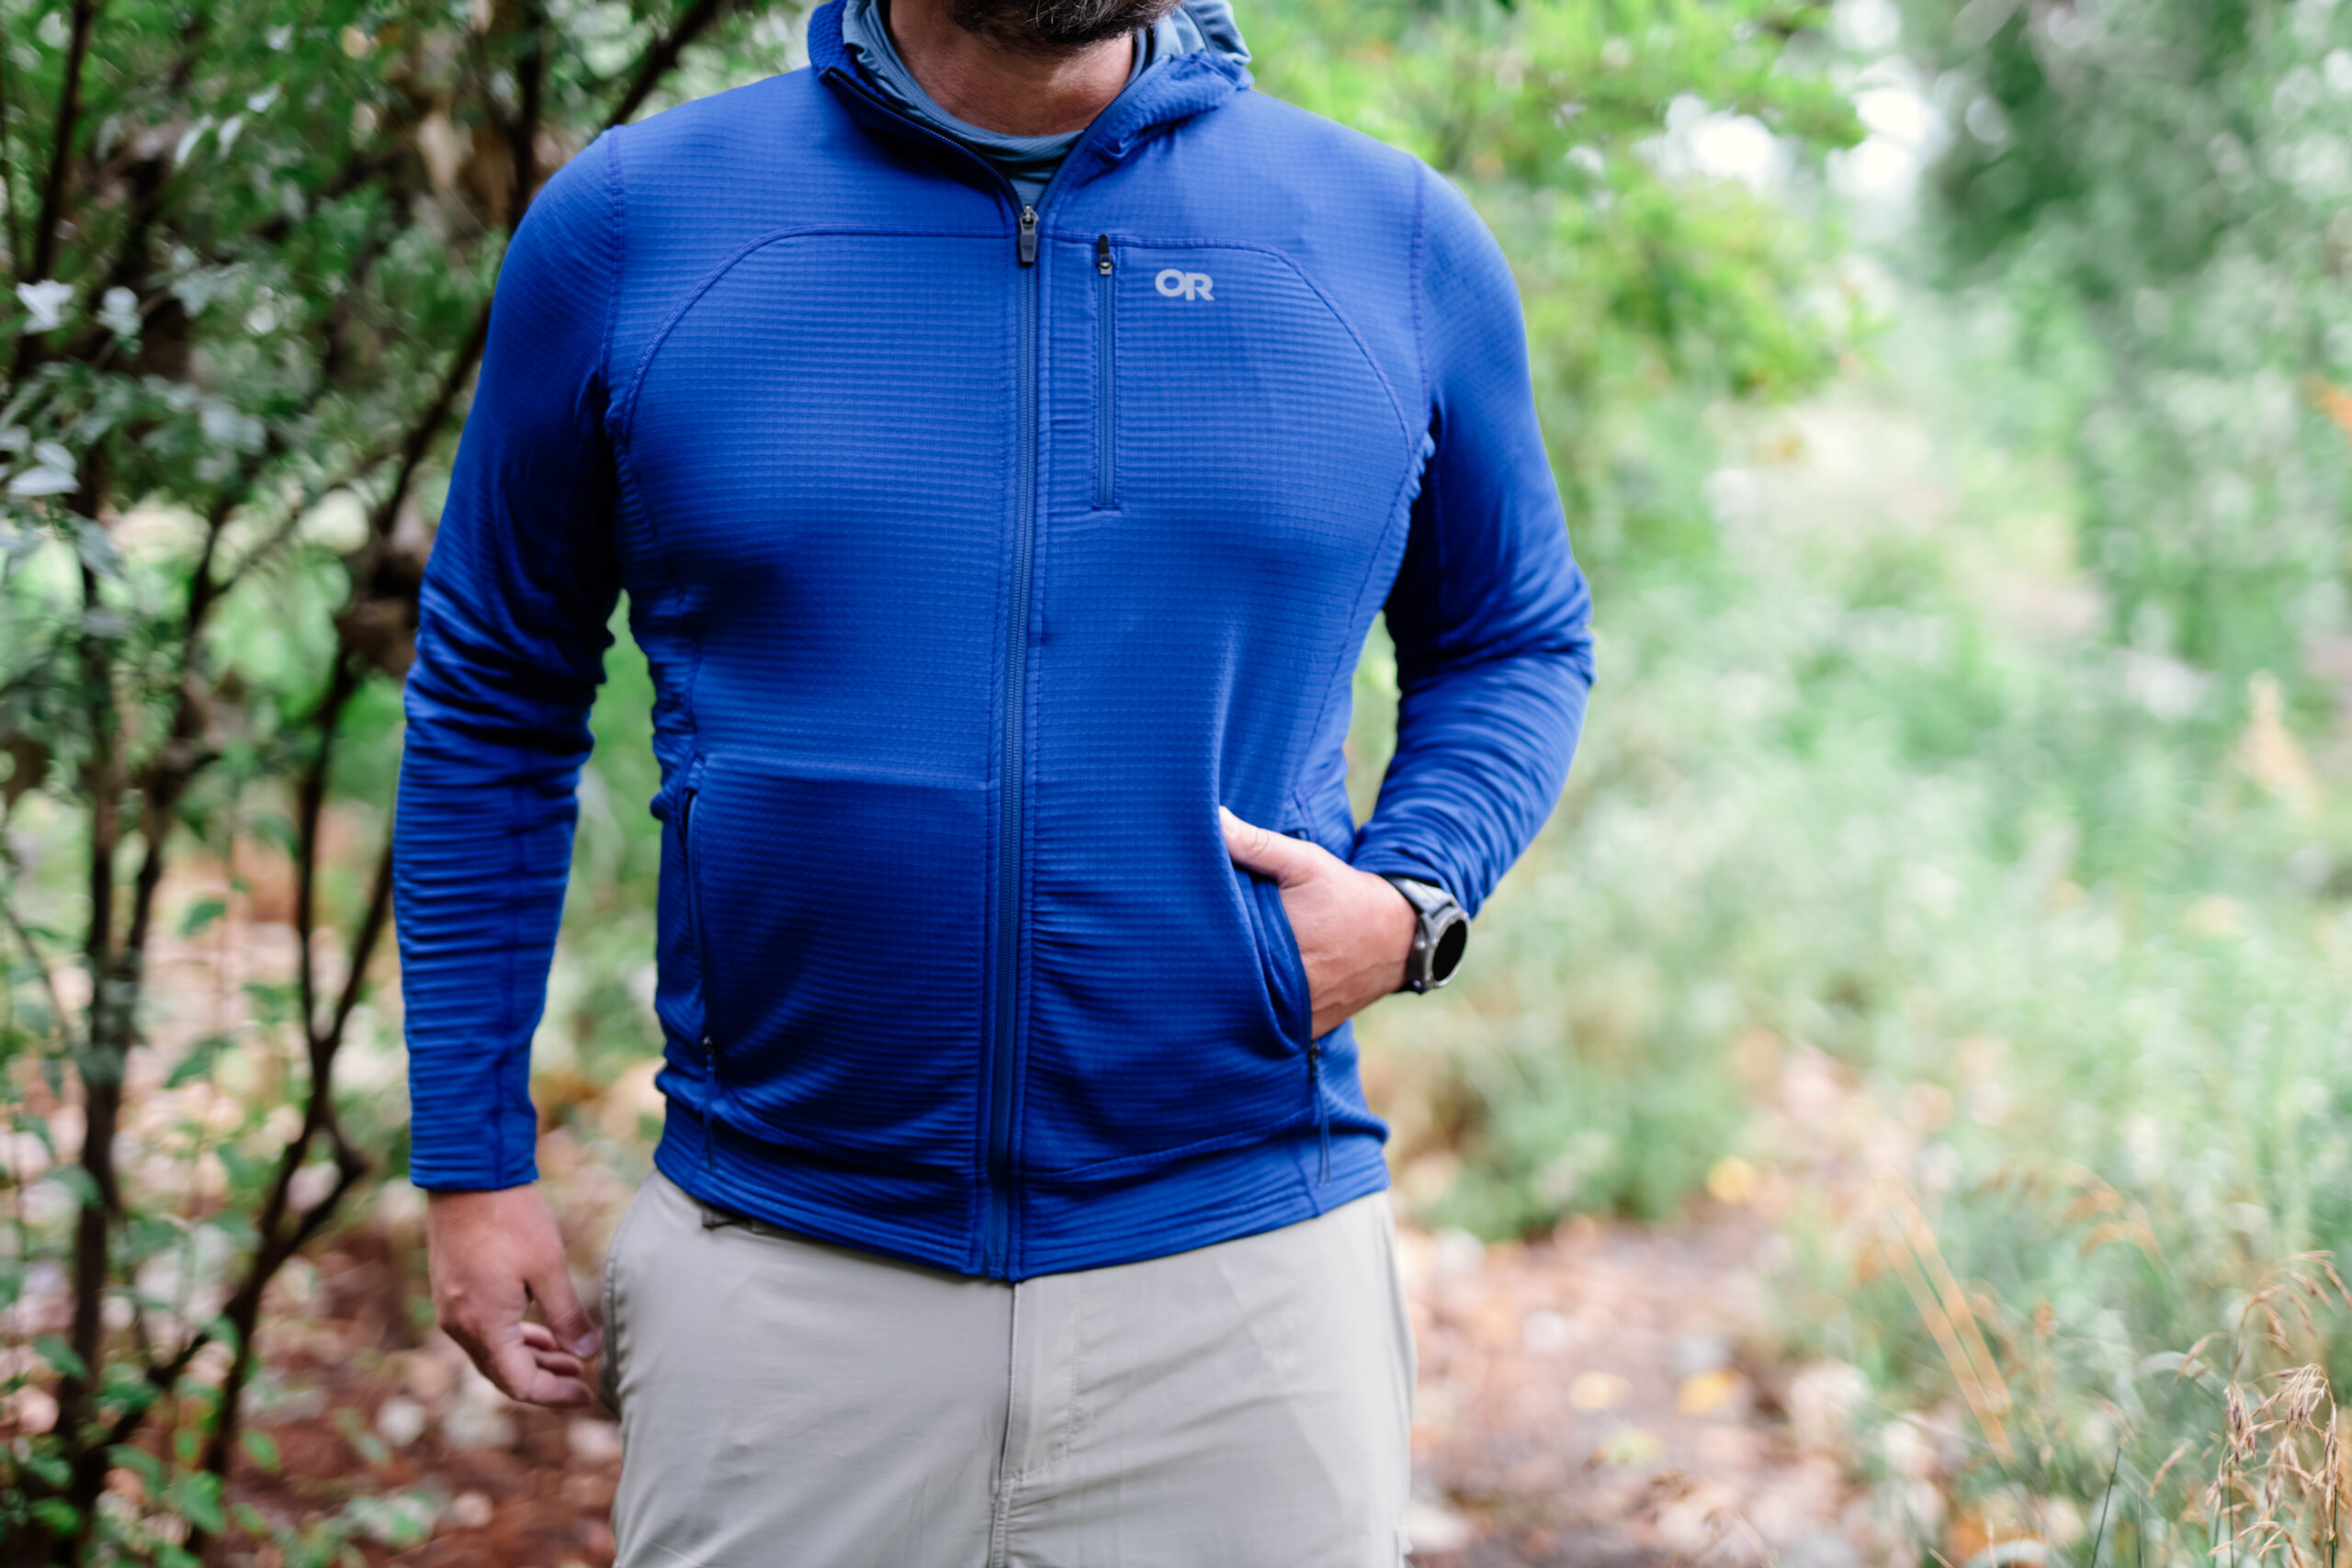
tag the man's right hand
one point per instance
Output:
(490, 1256)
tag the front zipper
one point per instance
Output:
(996, 1239)
(996, 1234)
(702, 967)
(1106, 353)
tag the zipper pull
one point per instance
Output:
(1322, 1113)
(709, 1093)
(1028, 236)
(1103, 254)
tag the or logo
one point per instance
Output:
(1179, 284)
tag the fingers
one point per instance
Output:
(554, 1378)
(567, 1320)
(492, 1255)
(1286, 859)
(552, 1357)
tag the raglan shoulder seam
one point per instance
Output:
(616, 202)
(1418, 275)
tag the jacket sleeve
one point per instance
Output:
(510, 648)
(1490, 615)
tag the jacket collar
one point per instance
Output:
(1169, 92)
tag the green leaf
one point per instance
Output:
(199, 1497)
(146, 1466)
(199, 1061)
(201, 914)
(59, 1517)
(263, 1447)
(274, 828)
(96, 549)
(78, 1182)
(272, 1004)
(60, 1355)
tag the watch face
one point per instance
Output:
(1452, 942)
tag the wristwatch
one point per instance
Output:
(1441, 933)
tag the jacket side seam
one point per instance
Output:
(1343, 664)
(626, 474)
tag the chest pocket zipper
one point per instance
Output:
(1106, 354)
(702, 968)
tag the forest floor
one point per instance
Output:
(1589, 1399)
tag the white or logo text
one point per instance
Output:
(1183, 285)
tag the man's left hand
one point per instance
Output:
(1355, 931)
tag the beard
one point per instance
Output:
(1055, 27)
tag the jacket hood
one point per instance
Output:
(1211, 67)
(1209, 25)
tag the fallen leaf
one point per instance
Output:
(1707, 1392)
(1630, 1447)
(1732, 1181)
(1598, 1391)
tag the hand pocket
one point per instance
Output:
(1286, 969)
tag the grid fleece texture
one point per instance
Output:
(771, 364)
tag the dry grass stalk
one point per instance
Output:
(2279, 1487)
(1943, 1307)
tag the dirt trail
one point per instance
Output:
(1595, 1399)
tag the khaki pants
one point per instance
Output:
(789, 1404)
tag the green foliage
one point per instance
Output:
(249, 250)
(1650, 274)
(2154, 191)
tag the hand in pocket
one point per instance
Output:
(1353, 930)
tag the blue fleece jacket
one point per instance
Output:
(978, 557)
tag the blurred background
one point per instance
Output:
(1899, 1113)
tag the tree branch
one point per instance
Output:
(61, 168)
(523, 130)
(427, 428)
(8, 184)
(105, 1034)
(61, 153)
(660, 59)
(310, 802)
(363, 946)
(16, 928)
(360, 169)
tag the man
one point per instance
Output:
(1006, 430)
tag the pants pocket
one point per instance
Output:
(608, 1364)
